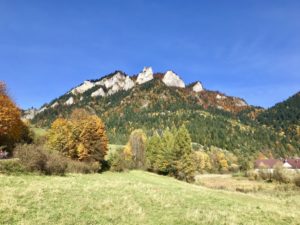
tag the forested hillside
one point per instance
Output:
(210, 117)
(284, 117)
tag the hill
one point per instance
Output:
(134, 198)
(284, 117)
(156, 101)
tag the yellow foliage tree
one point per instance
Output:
(136, 147)
(60, 137)
(203, 161)
(81, 137)
(127, 152)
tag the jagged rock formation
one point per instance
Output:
(145, 76)
(99, 92)
(119, 81)
(83, 87)
(196, 86)
(173, 80)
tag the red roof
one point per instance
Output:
(269, 163)
(295, 163)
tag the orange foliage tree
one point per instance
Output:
(12, 129)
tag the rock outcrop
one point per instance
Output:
(99, 92)
(145, 76)
(173, 80)
(197, 87)
(240, 102)
(115, 83)
(83, 87)
(70, 101)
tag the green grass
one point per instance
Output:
(134, 198)
(39, 132)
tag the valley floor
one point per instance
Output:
(134, 198)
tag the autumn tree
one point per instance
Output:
(60, 137)
(203, 161)
(12, 129)
(137, 146)
(93, 138)
(82, 137)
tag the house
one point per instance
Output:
(295, 163)
(270, 164)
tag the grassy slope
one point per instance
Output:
(133, 198)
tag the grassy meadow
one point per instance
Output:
(135, 197)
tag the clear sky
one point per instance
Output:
(245, 48)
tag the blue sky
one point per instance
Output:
(248, 48)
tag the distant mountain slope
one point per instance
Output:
(156, 101)
(283, 114)
(284, 117)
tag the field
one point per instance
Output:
(135, 197)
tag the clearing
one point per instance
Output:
(135, 197)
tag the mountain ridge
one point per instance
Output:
(212, 118)
(118, 81)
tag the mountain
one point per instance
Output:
(284, 117)
(154, 101)
(120, 83)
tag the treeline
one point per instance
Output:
(171, 153)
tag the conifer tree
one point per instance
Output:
(183, 143)
(154, 148)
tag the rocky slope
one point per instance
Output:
(91, 90)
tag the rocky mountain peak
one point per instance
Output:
(145, 76)
(197, 87)
(173, 80)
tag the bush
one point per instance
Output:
(118, 162)
(281, 175)
(56, 164)
(11, 166)
(35, 158)
(32, 157)
(265, 174)
(297, 180)
(252, 175)
(82, 167)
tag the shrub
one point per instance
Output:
(281, 175)
(82, 167)
(265, 174)
(56, 164)
(36, 158)
(11, 166)
(297, 180)
(118, 162)
(252, 175)
(32, 157)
